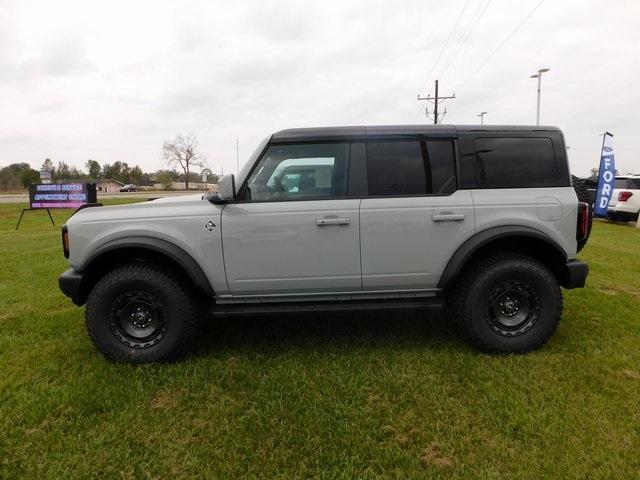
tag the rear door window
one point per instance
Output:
(416, 167)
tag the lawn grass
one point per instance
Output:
(324, 396)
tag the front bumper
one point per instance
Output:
(70, 283)
(574, 274)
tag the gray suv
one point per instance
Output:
(484, 220)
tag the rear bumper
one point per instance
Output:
(70, 282)
(574, 274)
(622, 215)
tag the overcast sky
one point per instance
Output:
(112, 80)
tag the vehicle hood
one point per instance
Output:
(178, 198)
(171, 206)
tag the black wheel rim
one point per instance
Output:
(137, 319)
(513, 308)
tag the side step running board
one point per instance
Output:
(335, 306)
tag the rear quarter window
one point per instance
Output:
(516, 162)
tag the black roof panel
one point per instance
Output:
(509, 128)
(318, 133)
(394, 131)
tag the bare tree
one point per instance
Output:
(183, 151)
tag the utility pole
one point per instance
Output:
(237, 156)
(481, 115)
(435, 99)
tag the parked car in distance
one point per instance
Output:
(484, 220)
(625, 199)
(129, 188)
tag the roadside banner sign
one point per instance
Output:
(606, 176)
(61, 195)
(43, 196)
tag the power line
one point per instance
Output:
(469, 31)
(455, 25)
(462, 37)
(500, 46)
(464, 31)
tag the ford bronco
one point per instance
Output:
(482, 220)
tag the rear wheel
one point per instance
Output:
(140, 313)
(507, 303)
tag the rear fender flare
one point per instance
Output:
(480, 239)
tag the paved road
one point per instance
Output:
(24, 198)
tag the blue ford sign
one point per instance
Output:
(606, 176)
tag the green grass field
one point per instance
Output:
(325, 396)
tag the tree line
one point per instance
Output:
(20, 175)
(182, 152)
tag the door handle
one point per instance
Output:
(448, 217)
(321, 222)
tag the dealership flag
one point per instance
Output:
(606, 176)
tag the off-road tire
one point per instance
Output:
(175, 312)
(472, 297)
(580, 187)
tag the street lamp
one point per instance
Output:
(539, 77)
(481, 115)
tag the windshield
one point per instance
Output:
(244, 171)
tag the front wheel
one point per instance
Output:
(140, 313)
(507, 303)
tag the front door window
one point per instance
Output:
(299, 172)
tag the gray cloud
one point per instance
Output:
(284, 23)
(64, 57)
(60, 58)
(112, 81)
(52, 106)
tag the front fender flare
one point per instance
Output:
(172, 251)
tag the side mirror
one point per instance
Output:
(227, 188)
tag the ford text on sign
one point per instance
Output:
(606, 176)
